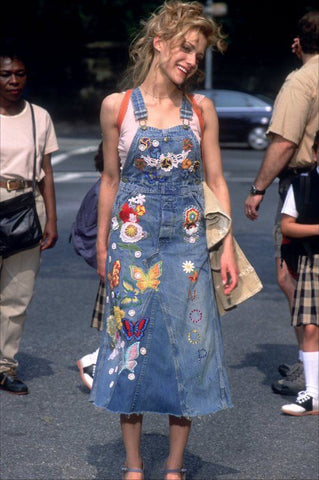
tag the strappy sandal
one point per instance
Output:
(126, 470)
(181, 471)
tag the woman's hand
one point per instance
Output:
(50, 235)
(228, 266)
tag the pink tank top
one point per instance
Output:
(130, 125)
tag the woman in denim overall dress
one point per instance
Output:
(161, 349)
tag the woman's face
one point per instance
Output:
(180, 61)
(13, 79)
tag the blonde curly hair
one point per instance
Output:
(171, 22)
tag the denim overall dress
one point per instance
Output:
(161, 348)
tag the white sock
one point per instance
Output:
(95, 355)
(311, 368)
(300, 356)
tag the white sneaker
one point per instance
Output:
(86, 365)
(305, 404)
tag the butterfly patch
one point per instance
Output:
(134, 330)
(147, 280)
(131, 294)
(130, 355)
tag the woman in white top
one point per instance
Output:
(18, 271)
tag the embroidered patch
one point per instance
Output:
(134, 331)
(131, 294)
(138, 200)
(195, 315)
(131, 232)
(140, 163)
(119, 345)
(129, 359)
(144, 143)
(128, 220)
(165, 161)
(154, 177)
(188, 266)
(189, 269)
(191, 224)
(194, 337)
(147, 280)
(114, 324)
(187, 144)
(114, 276)
(192, 294)
(115, 223)
(202, 353)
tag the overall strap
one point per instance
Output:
(186, 111)
(140, 110)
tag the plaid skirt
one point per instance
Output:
(99, 308)
(305, 309)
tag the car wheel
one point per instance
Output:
(257, 139)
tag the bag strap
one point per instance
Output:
(35, 147)
(123, 108)
(198, 112)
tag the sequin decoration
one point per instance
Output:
(195, 315)
(194, 337)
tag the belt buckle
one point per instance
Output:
(20, 183)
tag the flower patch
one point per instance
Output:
(114, 276)
(191, 224)
(127, 220)
(190, 270)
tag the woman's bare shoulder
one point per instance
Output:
(113, 101)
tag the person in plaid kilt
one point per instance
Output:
(300, 222)
(83, 239)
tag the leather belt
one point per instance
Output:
(11, 185)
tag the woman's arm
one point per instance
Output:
(110, 176)
(290, 228)
(215, 180)
(46, 187)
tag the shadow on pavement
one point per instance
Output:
(31, 367)
(155, 449)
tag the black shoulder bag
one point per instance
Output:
(19, 222)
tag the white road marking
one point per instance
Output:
(77, 151)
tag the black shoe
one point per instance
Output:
(305, 404)
(10, 382)
(290, 385)
(285, 370)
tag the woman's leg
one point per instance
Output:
(131, 426)
(179, 429)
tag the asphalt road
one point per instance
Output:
(54, 433)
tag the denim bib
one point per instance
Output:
(161, 348)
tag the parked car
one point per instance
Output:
(242, 117)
